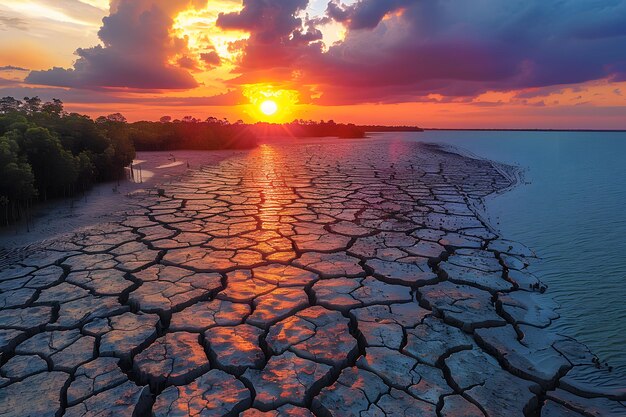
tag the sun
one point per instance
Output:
(269, 103)
(269, 107)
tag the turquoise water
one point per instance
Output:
(572, 211)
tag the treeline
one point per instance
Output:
(191, 134)
(380, 128)
(307, 128)
(213, 133)
(46, 152)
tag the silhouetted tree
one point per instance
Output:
(9, 105)
(32, 104)
(116, 118)
(190, 119)
(53, 108)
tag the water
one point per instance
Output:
(572, 212)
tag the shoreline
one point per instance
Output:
(516, 175)
(356, 222)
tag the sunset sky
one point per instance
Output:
(434, 63)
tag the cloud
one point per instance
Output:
(279, 35)
(397, 50)
(137, 47)
(211, 58)
(12, 68)
(365, 14)
(268, 20)
(11, 22)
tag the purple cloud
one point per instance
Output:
(399, 50)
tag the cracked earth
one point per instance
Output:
(338, 279)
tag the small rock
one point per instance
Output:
(317, 334)
(351, 395)
(596, 407)
(167, 288)
(541, 364)
(330, 265)
(457, 406)
(38, 395)
(174, 359)
(485, 280)
(94, 377)
(286, 379)
(402, 273)
(213, 394)
(206, 314)
(499, 393)
(123, 335)
(27, 319)
(285, 275)
(126, 400)
(236, 348)
(461, 305)
(432, 340)
(20, 367)
(275, 306)
(75, 313)
(523, 307)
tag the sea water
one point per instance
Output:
(570, 209)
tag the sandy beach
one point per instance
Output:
(295, 279)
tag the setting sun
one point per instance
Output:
(268, 103)
(269, 107)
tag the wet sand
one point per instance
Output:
(334, 278)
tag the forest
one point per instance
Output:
(46, 152)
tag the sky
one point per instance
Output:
(432, 63)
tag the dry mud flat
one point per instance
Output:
(317, 280)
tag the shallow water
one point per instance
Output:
(572, 212)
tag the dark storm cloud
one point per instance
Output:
(398, 50)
